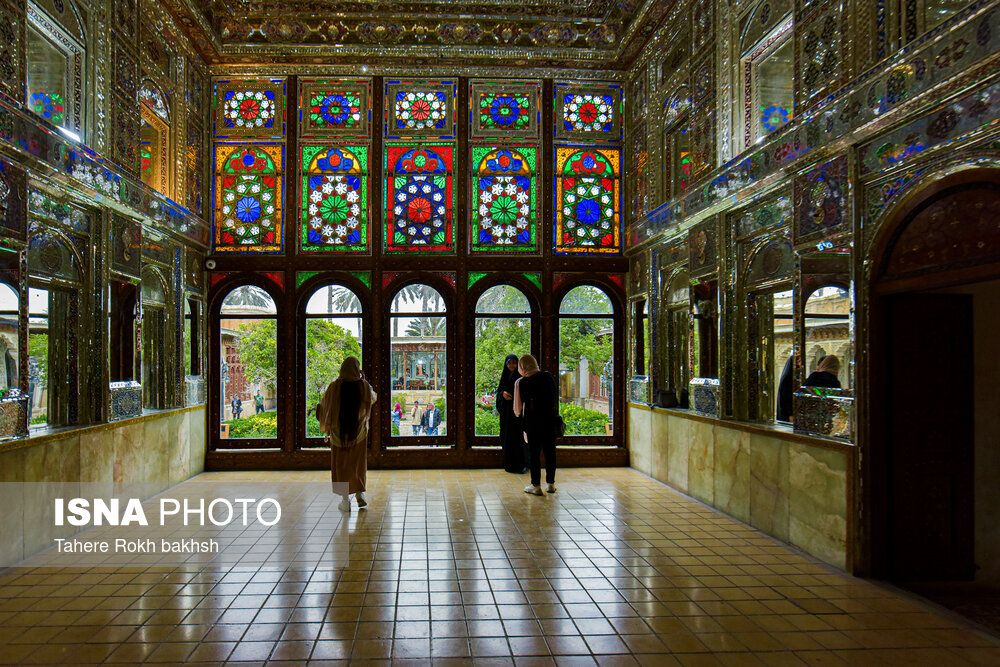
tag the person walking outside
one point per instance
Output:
(343, 415)
(515, 450)
(536, 401)
(236, 406)
(258, 401)
(416, 417)
(431, 419)
(397, 416)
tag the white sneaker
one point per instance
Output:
(533, 490)
(360, 497)
(345, 504)
(551, 488)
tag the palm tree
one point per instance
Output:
(339, 299)
(425, 326)
(248, 297)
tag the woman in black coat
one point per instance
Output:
(825, 374)
(536, 400)
(515, 454)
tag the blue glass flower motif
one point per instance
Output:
(248, 209)
(588, 212)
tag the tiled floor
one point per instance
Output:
(461, 567)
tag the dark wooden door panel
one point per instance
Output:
(930, 431)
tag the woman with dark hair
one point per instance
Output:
(515, 453)
(786, 386)
(536, 400)
(343, 415)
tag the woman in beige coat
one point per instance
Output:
(343, 415)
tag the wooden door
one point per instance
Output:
(929, 397)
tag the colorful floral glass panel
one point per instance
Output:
(505, 111)
(248, 198)
(420, 110)
(49, 106)
(505, 199)
(588, 208)
(334, 199)
(588, 113)
(335, 110)
(249, 109)
(419, 198)
(146, 162)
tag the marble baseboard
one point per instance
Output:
(793, 491)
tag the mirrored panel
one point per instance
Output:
(9, 305)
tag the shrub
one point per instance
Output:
(487, 422)
(581, 421)
(264, 425)
(440, 403)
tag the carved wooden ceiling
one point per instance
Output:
(578, 34)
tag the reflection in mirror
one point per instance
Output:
(586, 354)
(9, 305)
(705, 331)
(49, 358)
(248, 330)
(503, 327)
(123, 312)
(154, 341)
(192, 337)
(828, 332)
(640, 315)
(333, 333)
(418, 362)
(776, 346)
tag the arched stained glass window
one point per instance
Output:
(334, 199)
(505, 199)
(248, 190)
(419, 198)
(588, 200)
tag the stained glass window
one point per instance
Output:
(334, 200)
(588, 200)
(504, 110)
(504, 199)
(146, 155)
(501, 111)
(248, 192)
(49, 106)
(418, 198)
(423, 110)
(588, 112)
(334, 108)
(245, 108)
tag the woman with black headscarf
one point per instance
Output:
(515, 455)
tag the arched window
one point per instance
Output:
(418, 326)
(503, 326)
(248, 191)
(588, 200)
(586, 354)
(248, 330)
(420, 198)
(505, 192)
(334, 199)
(678, 160)
(333, 332)
(828, 330)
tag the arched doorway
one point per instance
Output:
(931, 481)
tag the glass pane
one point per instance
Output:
(249, 375)
(779, 342)
(329, 340)
(192, 336)
(586, 346)
(586, 299)
(681, 160)
(828, 319)
(774, 89)
(154, 363)
(248, 300)
(419, 376)
(417, 299)
(38, 355)
(496, 337)
(9, 304)
(333, 300)
(503, 299)
(149, 140)
(46, 79)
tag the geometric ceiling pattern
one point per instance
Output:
(589, 34)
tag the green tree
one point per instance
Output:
(585, 339)
(425, 326)
(258, 350)
(38, 351)
(327, 345)
(495, 339)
